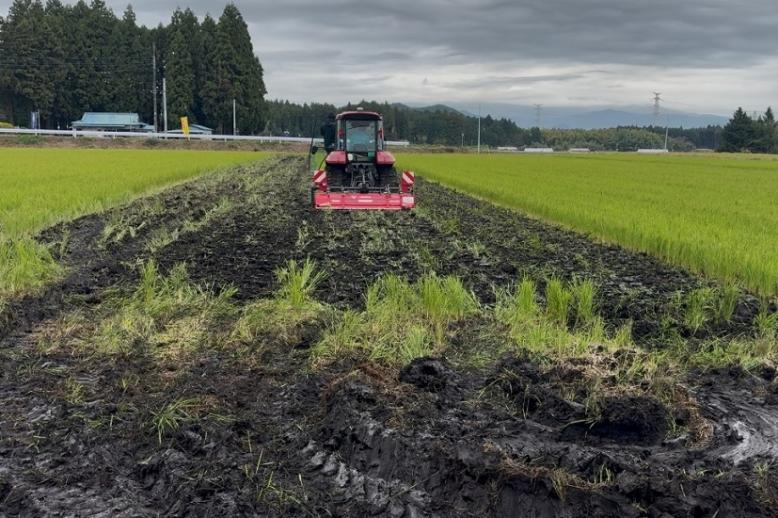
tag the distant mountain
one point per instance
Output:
(610, 118)
(588, 117)
(431, 108)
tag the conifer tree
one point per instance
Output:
(738, 134)
(179, 69)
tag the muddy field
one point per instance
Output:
(272, 434)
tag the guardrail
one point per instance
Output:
(172, 136)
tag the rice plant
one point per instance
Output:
(25, 264)
(747, 353)
(583, 294)
(727, 302)
(558, 300)
(766, 323)
(170, 417)
(699, 303)
(162, 309)
(297, 282)
(443, 300)
(401, 321)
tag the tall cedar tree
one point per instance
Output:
(180, 67)
(239, 75)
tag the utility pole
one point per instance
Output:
(538, 112)
(164, 103)
(479, 129)
(657, 100)
(234, 118)
(154, 86)
(463, 141)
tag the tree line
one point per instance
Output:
(744, 133)
(64, 60)
(440, 125)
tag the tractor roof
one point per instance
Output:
(359, 115)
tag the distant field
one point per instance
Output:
(717, 215)
(39, 187)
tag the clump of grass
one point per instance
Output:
(748, 354)
(298, 282)
(74, 392)
(546, 332)
(726, 302)
(417, 343)
(28, 140)
(170, 417)
(164, 310)
(699, 303)
(519, 307)
(401, 321)
(623, 337)
(558, 300)
(766, 323)
(583, 294)
(443, 300)
(282, 317)
(25, 264)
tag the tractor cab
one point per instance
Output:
(359, 173)
(360, 133)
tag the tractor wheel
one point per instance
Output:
(336, 178)
(388, 178)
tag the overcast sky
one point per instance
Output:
(703, 55)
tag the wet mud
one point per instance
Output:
(272, 437)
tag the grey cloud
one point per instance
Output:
(694, 33)
(508, 81)
(319, 49)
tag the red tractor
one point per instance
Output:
(358, 173)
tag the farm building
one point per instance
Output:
(194, 129)
(108, 121)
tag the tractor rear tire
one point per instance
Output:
(336, 178)
(388, 178)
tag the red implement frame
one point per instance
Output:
(403, 200)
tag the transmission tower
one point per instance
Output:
(538, 113)
(657, 100)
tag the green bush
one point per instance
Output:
(28, 140)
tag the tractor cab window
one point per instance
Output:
(361, 136)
